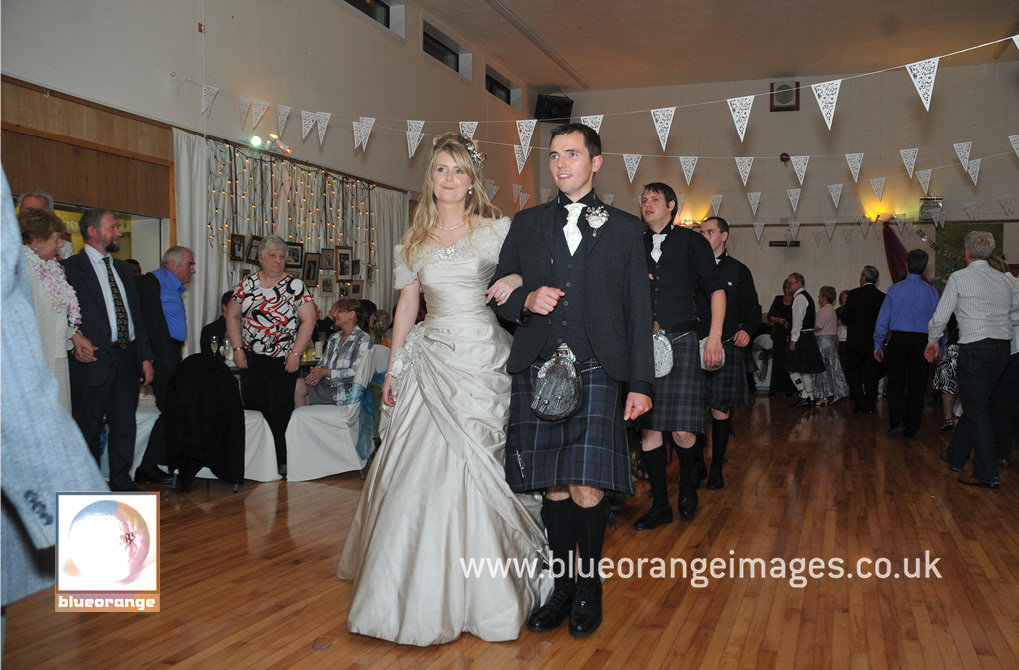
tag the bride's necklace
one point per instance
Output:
(459, 225)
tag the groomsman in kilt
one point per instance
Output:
(678, 260)
(804, 358)
(585, 285)
(727, 387)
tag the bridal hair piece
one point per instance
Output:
(468, 144)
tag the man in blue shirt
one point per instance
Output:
(903, 320)
(162, 302)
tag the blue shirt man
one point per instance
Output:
(171, 295)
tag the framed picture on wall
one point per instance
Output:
(327, 286)
(328, 261)
(252, 255)
(310, 272)
(355, 268)
(295, 251)
(236, 247)
(344, 263)
(357, 289)
(369, 273)
(342, 289)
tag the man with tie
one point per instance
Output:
(676, 260)
(584, 286)
(106, 373)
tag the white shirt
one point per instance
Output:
(985, 302)
(799, 311)
(99, 265)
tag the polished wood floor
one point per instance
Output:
(248, 579)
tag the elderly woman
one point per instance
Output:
(331, 381)
(262, 325)
(829, 386)
(56, 304)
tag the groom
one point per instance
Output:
(585, 284)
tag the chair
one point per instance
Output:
(324, 440)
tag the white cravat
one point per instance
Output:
(657, 239)
(571, 230)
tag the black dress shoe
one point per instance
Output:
(152, 475)
(687, 503)
(944, 457)
(804, 402)
(715, 480)
(1002, 462)
(896, 428)
(658, 515)
(585, 615)
(552, 614)
(972, 481)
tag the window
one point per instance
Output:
(376, 9)
(446, 50)
(502, 88)
(497, 88)
(442, 53)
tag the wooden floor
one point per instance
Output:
(248, 579)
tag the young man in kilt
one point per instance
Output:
(727, 387)
(804, 358)
(678, 259)
(585, 285)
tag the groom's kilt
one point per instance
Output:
(727, 387)
(589, 447)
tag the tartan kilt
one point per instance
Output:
(589, 447)
(679, 396)
(727, 387)
(807, 356)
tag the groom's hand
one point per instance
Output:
(636, 404)
(543, 300)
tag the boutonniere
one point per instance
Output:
(596, 218)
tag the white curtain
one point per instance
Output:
(390, 208)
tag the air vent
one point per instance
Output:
(785, 96)
(928, 205)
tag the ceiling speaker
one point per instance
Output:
(557, 108)
(785, 96)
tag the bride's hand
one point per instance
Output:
(502, 288)
(388, 394)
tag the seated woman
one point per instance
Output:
(330, 382)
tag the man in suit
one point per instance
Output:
(585, 285)
(860, 316)
(105, 372)
(162, 301)
(217, 329)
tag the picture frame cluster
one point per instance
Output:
(332, 270)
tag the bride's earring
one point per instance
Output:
(470, 193)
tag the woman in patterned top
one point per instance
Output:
(329, 383)
(278, 318)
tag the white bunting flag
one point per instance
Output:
(632, 161)
(245, 106)
(855, 161)
(827, 94)
(282, 112)
(521, 154)
(847, 233)
(524, 197)
(367, 123)
(308, 119)
(922, 73)
(414, 136)
(755, 200)
(690, 162)
(680, 201)
(545, 192)
(794, 227)
(1007, 203)
(878, 184)
(525, 129)
(740, 109)
(974, 169)
(468, 128)
(1014, 139)
(909, 226)
(800, 165)
(259, 110)
(607, 198)
(924, 177)
(962, 150)
(758, 229)
(817, 238)
(208, 95)
(794, 197)
(180, 81)
(908, 159)
(743, 164)
(490, 188)
(733, 239)
(592, 122)
(716, 202)
(900, 221)
(972, 209)
(323, 123)
(516, 191)
(938, 216)
(864, 225)
(1015, 38)
(835, 190)
(663, 123)
(829, 227)
(357, 134)
(877, 233)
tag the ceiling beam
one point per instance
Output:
(535, 39)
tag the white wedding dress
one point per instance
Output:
(436, 494)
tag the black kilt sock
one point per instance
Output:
(654, 464)
(720, 431)
(589, 525)
(562, 539)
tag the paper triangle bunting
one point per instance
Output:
(259, 109)
(490, 188)
(282, 112)
(245, 106)
(908, 159)
(973, 169)
(593, 122)
(1014, 139)
(545, 192)
(716, 202)
(864, 225)
(521, 155)
(308, 119)
(878, 184)
(938, 217)
(855, 161)
(827, 94)
(817, 237)
(794, 227)
(680, 201)
(924, 177)
(524, 197)
(607, 198)
(367, 123)
(758, 229)
(835, 190)
(516, 191)
(663, 123)
(690, 162)
(468, 128)
(631, 161)
(829, 227)
(972, 209)
(794, 197)
(922, 73)
(755, 200)
(357, 134)
(743, 164)
(208, 95)
(847, 233)
(740, 109)
(525, 129)
(323, 123)
(962, 150)
(800, 165)
(414, 136)
(1007, 203)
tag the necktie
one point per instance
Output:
(123, 333)
(571, 230)
(657, 239)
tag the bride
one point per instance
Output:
(436, 499)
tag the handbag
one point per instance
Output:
(663, 353)
(557, 391)
(704, 365)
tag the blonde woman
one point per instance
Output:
(436, 492)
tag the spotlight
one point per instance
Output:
(275, 140)
(256, 141)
